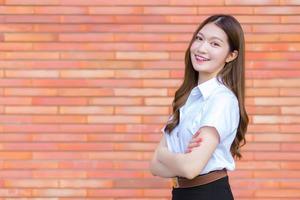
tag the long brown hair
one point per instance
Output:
(232, 75)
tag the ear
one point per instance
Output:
(231, 56)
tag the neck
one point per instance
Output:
(202, 78)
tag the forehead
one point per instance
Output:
(212, 30)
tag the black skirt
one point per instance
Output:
(216, 190)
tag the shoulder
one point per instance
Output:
(222, 96)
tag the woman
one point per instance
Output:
(209, 108)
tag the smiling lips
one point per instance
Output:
(201, 58)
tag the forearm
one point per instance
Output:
(173, 161)
(159, 169)
(189, 165)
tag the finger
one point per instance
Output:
(196, 134)
(193, 145)
(188, 151)
(196, 140)
(199, 140)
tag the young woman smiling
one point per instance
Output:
(208, 125)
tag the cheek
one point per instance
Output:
(193, 47)
(219, 54)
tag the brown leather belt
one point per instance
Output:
(180, 182)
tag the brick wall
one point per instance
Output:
(86, 86)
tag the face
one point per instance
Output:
(210, 51)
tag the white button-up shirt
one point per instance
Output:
(209, 104)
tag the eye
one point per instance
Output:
(198, 37)
(215, 44)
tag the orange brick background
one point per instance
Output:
(86, 86)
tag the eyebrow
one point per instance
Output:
(213, 37)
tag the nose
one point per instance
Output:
(202, 47)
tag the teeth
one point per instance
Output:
(201, 58)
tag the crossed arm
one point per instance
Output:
(167, 164)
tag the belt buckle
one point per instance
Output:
(175, 182)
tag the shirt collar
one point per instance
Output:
(206, 88)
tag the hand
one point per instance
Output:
(195, 142)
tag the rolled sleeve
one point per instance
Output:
(222, 113)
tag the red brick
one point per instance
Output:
(253, 2)
(32, 19)
(277, 156)
(111, 155)
(141, 74)
(289, 2)
(60, 10)
(161, 83)
(276, 28)
(29, 37)
(12, 192)
(15, 137)
(15, 100)
(140, 92)
(86, 37)
(11, 27)
(84, 92)
(258, 19)
(272, 73)
(65, 137)
(32, 73)
(56, 101)
(290, 82)
(86, 110)
(115, 10)
(277, 101)
(115, 137)
(255, 165)
(275, 119)
(23, 183)
(15, 46)
(14, 118)
(276, 10)
(31, 110)
(147, 110)
(115, 193)
(30, 164)
(262, 92)
(60, 192)
(262, 143)
(86, 183)
(290, 110)
(86, 56)
(170, 10)
(289, 37)
(65, 119)
(289, 92)
(142, 55)
(290, 19)
(233, 10)
(114, 119)
(116, 101)
(272, 65)
(136, 183)
(278, 193)
(261, 110)
(16, 155)
(31, 2)
(116, 2)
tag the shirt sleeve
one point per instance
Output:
(221, 112)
